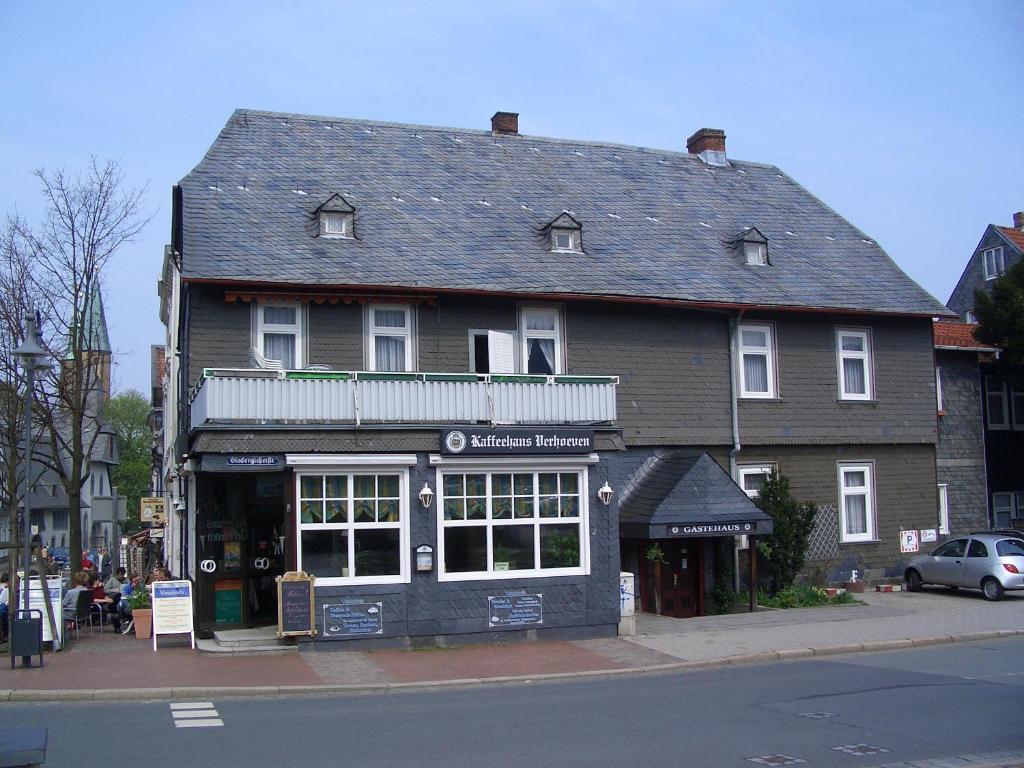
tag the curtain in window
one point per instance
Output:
(280, 346)
(279, 315)
(389, 318)
(853, 377)
(755, 373)
(541, 357)
(540, 321)
(389, 352)
(856, 514)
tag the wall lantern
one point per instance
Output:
(179, 505)
(605, 494)
(426, 496)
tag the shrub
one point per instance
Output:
(785, 550)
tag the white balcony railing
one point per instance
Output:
(243, 396)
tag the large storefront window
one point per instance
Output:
(352, 526)
(516, 523)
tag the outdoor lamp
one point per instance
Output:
(605, 494)
(179, 505)
(426, 496)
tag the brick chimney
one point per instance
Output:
(1018, 220)
(709, 145)
(505, 123)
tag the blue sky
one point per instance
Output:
(903, 116)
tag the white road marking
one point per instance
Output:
(195, 714)
(192, 705)
(211, 723)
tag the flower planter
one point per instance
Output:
(143, 618)
(856, 587)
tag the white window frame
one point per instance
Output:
(525, 336)
(767, 352)
(943, 508)
(998, 508)
(1003, 394)
(296, 329)
(866, 357)
(969, 316)
(536, 522)
(742, 470)
(326, 217)
(407, 334)
(574, 239)
(371, 465)
(755, 254)
(938, 390)
(998, 266)
(868, 468)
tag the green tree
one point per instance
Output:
(1001, 320)
(128, 412)
(785, 551)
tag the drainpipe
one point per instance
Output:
(734, 321)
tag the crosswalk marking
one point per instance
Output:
(195, 714)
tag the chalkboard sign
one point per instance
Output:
(515, 609)
(354, 618)
(295, 604)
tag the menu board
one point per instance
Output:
(515, 609)
(354, 618)
(36, 600)
(227, 601)
(172, 609)
(295, 604)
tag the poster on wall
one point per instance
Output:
(172, 609)
(928, 536)
(515, 609)
(909, 542)
(354, 617)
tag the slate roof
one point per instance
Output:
(678, 487)
(455, 209)
(948, 334)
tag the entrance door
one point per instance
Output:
(680, 593)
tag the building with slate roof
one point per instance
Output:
(465, 377)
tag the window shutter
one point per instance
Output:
(501, 352)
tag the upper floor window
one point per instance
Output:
(943, 508)
(854, 364)
(969, 316)
(755, 253)
(994, 262)
(390, 337)
(1017, 406)
(938, 391)
(757, 361)
(279, 333)
(752, 478)
(564, 239)
(541, 334)
(996, 410)
(856, 502)
(335, 224)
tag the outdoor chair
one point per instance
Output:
(259, 361)
(83, 612)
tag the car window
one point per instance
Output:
(977, 549)
(953, 548)
(1008, 547)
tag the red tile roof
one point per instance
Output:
(961, 335)
(1015, 236)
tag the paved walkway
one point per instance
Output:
(108, 666)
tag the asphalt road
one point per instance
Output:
(916, 704)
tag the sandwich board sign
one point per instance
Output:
(36, 600)
(172, 609)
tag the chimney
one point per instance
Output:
(505, 123)
(1018, 220)
(709, 145)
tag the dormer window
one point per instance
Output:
(563, 240)
(753, 247)
(565, 234)
(335, 218)
(756, 253)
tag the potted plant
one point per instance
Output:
(142, 611)
(656, 555)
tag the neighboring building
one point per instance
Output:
(1003, 400)
(464, 376)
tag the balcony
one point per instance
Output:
(227, 397)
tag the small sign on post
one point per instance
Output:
(295, 601)
(151, 510)
(172, 610)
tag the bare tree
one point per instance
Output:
(88, 218)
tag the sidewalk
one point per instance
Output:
(106, 666)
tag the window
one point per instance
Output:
(1017, 406)
(757, 366)
(564, 239)
(335, 224)
(855, 372)
(977, 549)
(542, 340)
(513, 523)
(1002, 509)
(954, 548)
(752, 478)
(390, 342)
(969, 316)
(995, 404)
(1010, 547)
(994, 263)
(856, 496)
(756, 253)
(943, 508)
(492, 351)
(279, 333)
(353, 526)
(938, 390)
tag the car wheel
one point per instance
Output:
(913, 580)
(992, 589)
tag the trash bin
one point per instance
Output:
(27, 635)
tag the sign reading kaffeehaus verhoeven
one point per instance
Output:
(473, 441)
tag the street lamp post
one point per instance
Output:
(32, 358)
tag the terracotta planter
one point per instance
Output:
(143, 618)
(854, 586)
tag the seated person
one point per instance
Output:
(114, 589)
(70, 604)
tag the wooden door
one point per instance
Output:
(680, 582)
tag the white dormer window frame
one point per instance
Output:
(565, 239)
(848, 355)
(379, 327)
(994, 262)
(756, 254)
(337, 224)
(269, 326)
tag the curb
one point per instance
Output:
(790, 654)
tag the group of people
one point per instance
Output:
(107, 594)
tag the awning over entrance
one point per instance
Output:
(677, 493)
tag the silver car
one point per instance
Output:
(992, 562)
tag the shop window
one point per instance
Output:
(515, 523)
(857, 503)
(541, 335)
(1002, 509)
(352, 526)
